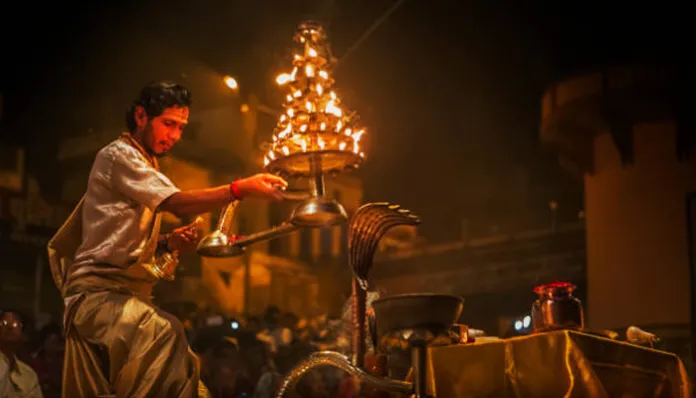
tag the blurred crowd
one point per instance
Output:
(240, 356)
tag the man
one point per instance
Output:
(117, 342)
(17, 379)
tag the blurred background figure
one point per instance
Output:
(47, 361)
(17, 379)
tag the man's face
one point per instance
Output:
(165, 130)
(10, 327)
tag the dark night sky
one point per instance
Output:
(450, 90)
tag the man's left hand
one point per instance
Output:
(184, 238)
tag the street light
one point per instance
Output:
(233, 85)
(522, 325)
(231, 82)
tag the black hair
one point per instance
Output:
(271, 315)
(155, 98)
(17, 313)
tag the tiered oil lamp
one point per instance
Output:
(315, 136)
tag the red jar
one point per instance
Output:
(556, 308)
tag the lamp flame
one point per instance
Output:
(333, 109)
(309, 70)
(283, 78)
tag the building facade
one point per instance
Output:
(629, 134)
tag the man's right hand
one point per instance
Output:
(263, 186)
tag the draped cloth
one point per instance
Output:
(556, 364)
(118, 343)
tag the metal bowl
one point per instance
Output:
(425, 311)
(217, 244)
(318, 212)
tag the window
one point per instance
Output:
(326, 240)
(306, 245)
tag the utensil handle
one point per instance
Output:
(294, 195)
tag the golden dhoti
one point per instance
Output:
(121, 345)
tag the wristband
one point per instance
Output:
(234, 189)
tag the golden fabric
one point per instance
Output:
(117, 342)
(556, 364)
(144, 347)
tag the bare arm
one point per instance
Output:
(197, 201)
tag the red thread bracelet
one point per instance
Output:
(234, 188)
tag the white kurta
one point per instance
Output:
(122, 194)
(19, 381)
